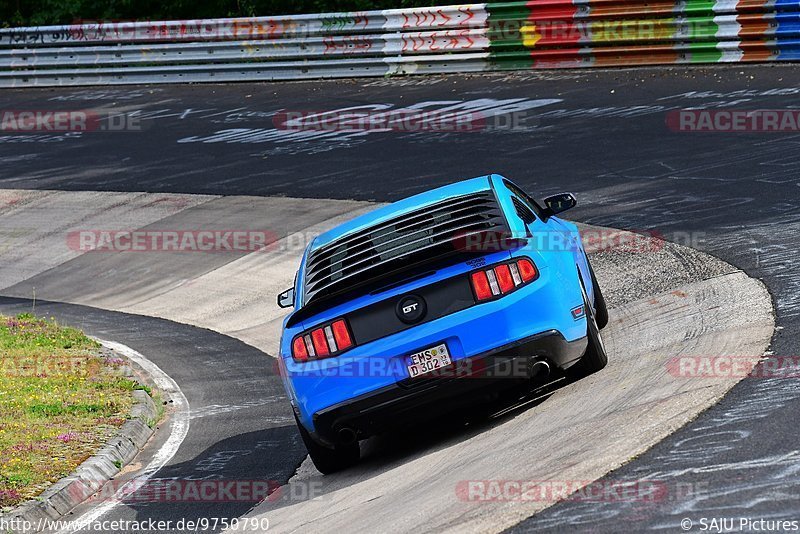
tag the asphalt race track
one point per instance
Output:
(602, 135)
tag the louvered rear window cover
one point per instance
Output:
(421, 237)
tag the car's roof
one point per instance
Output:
(465, 187)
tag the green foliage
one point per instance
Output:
(45, 12)
(61, 399)
(28, 332)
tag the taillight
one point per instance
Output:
(322, 342)
(503, 279)
(299, 350)
(342, 335)
(481, 286)
(527, 270)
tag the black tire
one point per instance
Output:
(328, 460)
(595, 358)
(600, 308)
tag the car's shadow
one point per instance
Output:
(441, 432)
(397, 447)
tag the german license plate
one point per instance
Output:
(428, 361)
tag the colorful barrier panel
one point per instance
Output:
(461, 38)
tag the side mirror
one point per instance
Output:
(286, 299)
(559, 203)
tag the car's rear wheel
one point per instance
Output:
(328, 460)
(600, 308)
(595, 358)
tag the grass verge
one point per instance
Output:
(60, 401)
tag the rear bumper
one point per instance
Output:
(397, 404)
(479, 329)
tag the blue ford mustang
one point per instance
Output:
(421, 306)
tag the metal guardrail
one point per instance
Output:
(463, 38)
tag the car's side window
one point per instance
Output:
(523, 211)
(522, 200)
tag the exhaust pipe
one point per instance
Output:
(539, 369)
(346, 435)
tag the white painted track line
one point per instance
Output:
(178, 428)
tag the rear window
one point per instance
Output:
(521, 198)
(413, 242)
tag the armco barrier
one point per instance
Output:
(462, 38)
